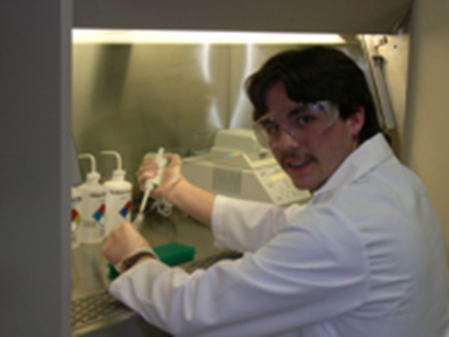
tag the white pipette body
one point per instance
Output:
(151, 184)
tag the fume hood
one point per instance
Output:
(133, 95)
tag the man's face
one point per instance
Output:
(310, 159)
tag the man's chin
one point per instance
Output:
(305, 186)
(309, 186)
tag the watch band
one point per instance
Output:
(130, 261)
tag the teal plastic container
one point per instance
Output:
(174, 253)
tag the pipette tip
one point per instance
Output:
(137, 223)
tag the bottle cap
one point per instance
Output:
(118, 173)
(93, 175)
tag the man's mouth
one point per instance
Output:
(297, 162)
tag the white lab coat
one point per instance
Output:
(365, 258)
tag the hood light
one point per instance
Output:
(196, 37)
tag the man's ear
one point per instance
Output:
(356, 121)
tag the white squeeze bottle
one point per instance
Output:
(118, 196)
(76, 198)
(93, 205)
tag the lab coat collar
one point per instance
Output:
(368, 155)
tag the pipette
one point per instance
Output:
(150, 184)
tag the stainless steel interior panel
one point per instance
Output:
(135, 98)
(245, 60)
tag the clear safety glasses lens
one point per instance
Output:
(305, 119)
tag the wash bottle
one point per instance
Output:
(93, 195)
(118, 196)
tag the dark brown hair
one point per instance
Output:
(315, 74)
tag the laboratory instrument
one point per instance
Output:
(238, 166)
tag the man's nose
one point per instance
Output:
(287, 139)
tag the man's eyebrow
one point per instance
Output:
(297, 109)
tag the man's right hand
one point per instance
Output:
(175, 189)
(171, 175)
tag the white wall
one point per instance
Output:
(426, 143)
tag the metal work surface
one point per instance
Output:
(95, 313)
(208, 261)
(92, 314)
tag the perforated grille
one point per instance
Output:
(102, 307)
(95, 308)
(227, 181)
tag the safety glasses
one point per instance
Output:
(305, 119)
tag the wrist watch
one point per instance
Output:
(130, 261)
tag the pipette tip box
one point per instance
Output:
(174, 253)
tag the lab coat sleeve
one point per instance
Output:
(314, 270)
(245, 226)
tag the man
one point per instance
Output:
(364, 258)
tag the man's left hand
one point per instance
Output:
(124, 241)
